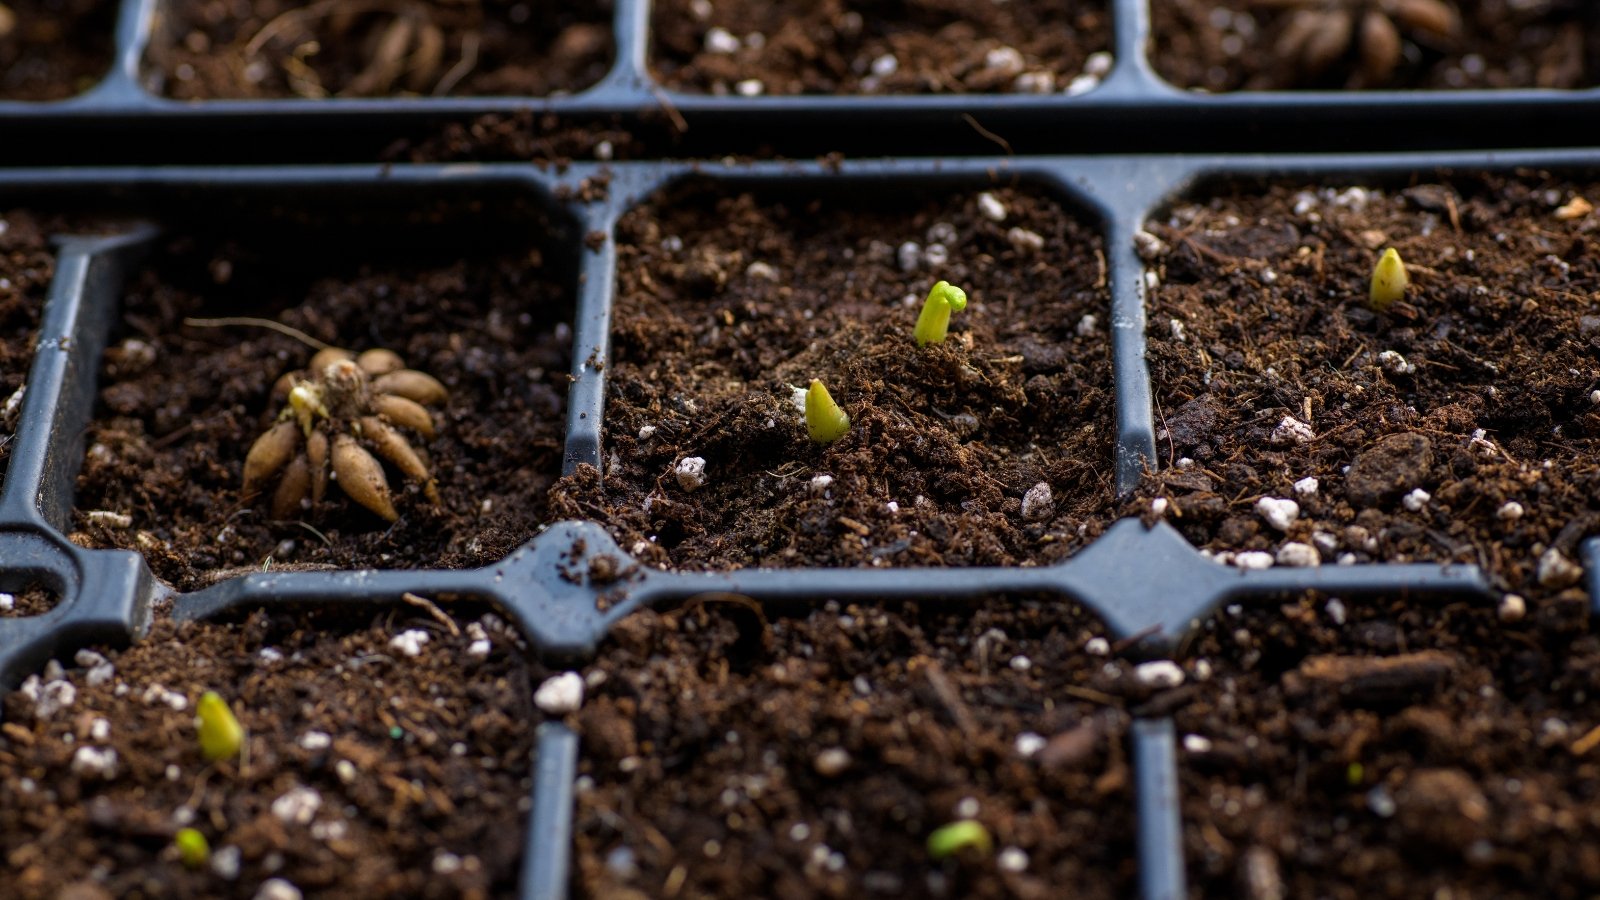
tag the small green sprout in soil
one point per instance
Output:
(341, 405)
(193, 848)
(824, 419)
(933, 324)
(221, 735)
(967, 835)
(1389, 281)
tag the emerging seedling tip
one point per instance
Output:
(959, 837)
(933, 324)
(221, 735)
(1389, 281)
(824, 419)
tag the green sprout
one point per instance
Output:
(933, 325)
(192, 847)
(967, 834)
(1389, 281)
(824, 419)
(221, 735)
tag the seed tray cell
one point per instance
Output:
(1115, 114)
(490, 306)
(571, 585)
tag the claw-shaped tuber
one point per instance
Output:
(340, 403)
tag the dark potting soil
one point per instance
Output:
(812, 758)
(830, 47)
(1394, 748)
(27, 263)
(289, 48)
(32, 599)
(726, 302)
(1262, 45)
(366, 770)
(517, 137)
(54, 49)
(1460, 426)
(180, 406)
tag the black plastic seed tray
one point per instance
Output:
(1146, 583)
(1131, 110)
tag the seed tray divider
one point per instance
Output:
(546, 586)
(1116, 115)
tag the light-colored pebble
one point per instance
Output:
(1416, 500)
(1512, 608)
(560, 694)
(1292, 431)
(909, 256)
(1038, 503)
(1556, 571)
(1024, 240)
(691, 473)
(721, 41)
(990, 207)
(1013, 860)
(1510, 511)
(1253, 559)
(1296, 555)
(1279, 512)
(832, 762)
(1307, 486)
(1159, 673)
(278, 889)
(1392, 361)
(1028, 743)
(298, 805)
(409, 642)
(96, 762)
(225, 862)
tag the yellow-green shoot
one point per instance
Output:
(221, 735)
(193, 849)
(933, 324)
(824, 419)
(959, 837)
(1389, 281)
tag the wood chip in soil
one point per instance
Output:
(54, 49)
(1471, 774)
(290, 48)
(367, 771)
(727, 302)
(895, 47)
(1460, 426)
(180, 406)
(1422, 44)
(812, 758)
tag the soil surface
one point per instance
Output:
(27, 263)
(180, 406)
(727, 302)
(518, 137)
(1253, 45)
(724, 758)
(1460, 425)
(885, 46)
(1393, 748)
(365, 770)
(54, 49)
(287, 48)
